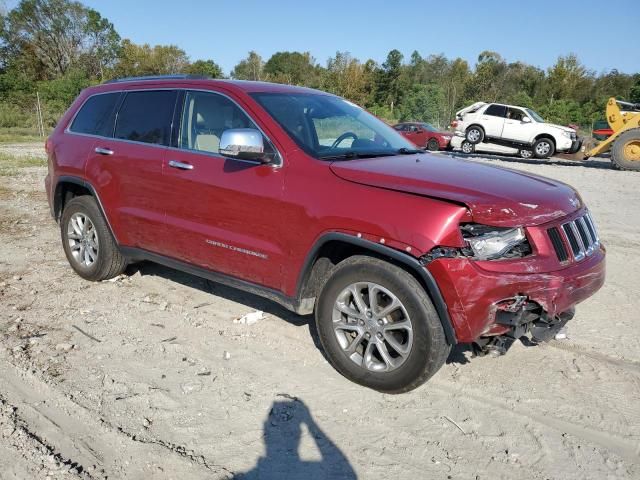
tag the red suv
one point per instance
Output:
(308, 200)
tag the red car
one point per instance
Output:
(424, 135)
(308, 200)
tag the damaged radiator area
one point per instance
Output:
(516, 318)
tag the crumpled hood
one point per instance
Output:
(494, 195)
(560, 127)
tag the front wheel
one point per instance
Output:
(625, 152)
(543, 148)
(379, 327)
(433, 145)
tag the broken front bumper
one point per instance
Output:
(475, 295)
(576, 145)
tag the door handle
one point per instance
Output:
(104, 151)
(180, 165)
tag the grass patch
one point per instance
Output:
(11, 164)
(20, 135)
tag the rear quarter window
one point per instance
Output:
(496, 110)
(146, 116)
(97, 114)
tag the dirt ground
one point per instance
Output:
(149, 376)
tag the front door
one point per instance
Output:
(222, 214)
(515, 126)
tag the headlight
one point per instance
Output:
(447, 137)
(567, 134)
(490, 243)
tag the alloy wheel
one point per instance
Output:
(372, 327)
(543, 148)
(473, 135)
(83, 239)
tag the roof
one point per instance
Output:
(181, 81)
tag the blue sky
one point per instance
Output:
(534, 31)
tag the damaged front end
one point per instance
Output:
(504, 283)
(516, 318)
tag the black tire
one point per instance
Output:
(467, 147)
(543, 148)
(525, 153)
(108, 262)
(474, 134)
(429, 349)
(631, 140)
(433, 145)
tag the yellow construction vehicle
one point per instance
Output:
(624, 142)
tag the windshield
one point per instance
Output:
(329, 127)
(535, 116)
(429, 127)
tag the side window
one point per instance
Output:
(205, 116)
(145, 116)
(515, 114)
(496, 110)
(97, 114)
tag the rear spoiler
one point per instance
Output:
(470, 108)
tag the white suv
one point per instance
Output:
(515, 127)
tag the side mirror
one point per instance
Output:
(526, 120)
(243, 144)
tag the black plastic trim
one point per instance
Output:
(56, 207)
(137, 254)
(407, 260)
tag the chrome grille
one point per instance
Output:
(579, 234)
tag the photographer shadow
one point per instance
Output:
(282, 433)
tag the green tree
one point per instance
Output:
(424, 103)
(568, 79)
(207, 68)
(347, 77)
(634, 94)
(294, 68)
(389, 81)
(136, 60)
(250, 68)
(57, 34)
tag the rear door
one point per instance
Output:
(126, 167)
(222, 214)
(493, 120)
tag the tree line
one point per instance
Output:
(58, 47)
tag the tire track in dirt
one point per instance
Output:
(625, 448)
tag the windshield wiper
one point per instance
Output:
(409, 151)
(351, 154)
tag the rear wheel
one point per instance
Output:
(525, 153)
(474, 134)
(378, 326)
(625, 152)
(543, 148)
(433, 145)
(467, 147)
(90, 248)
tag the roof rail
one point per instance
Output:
(147, 78)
